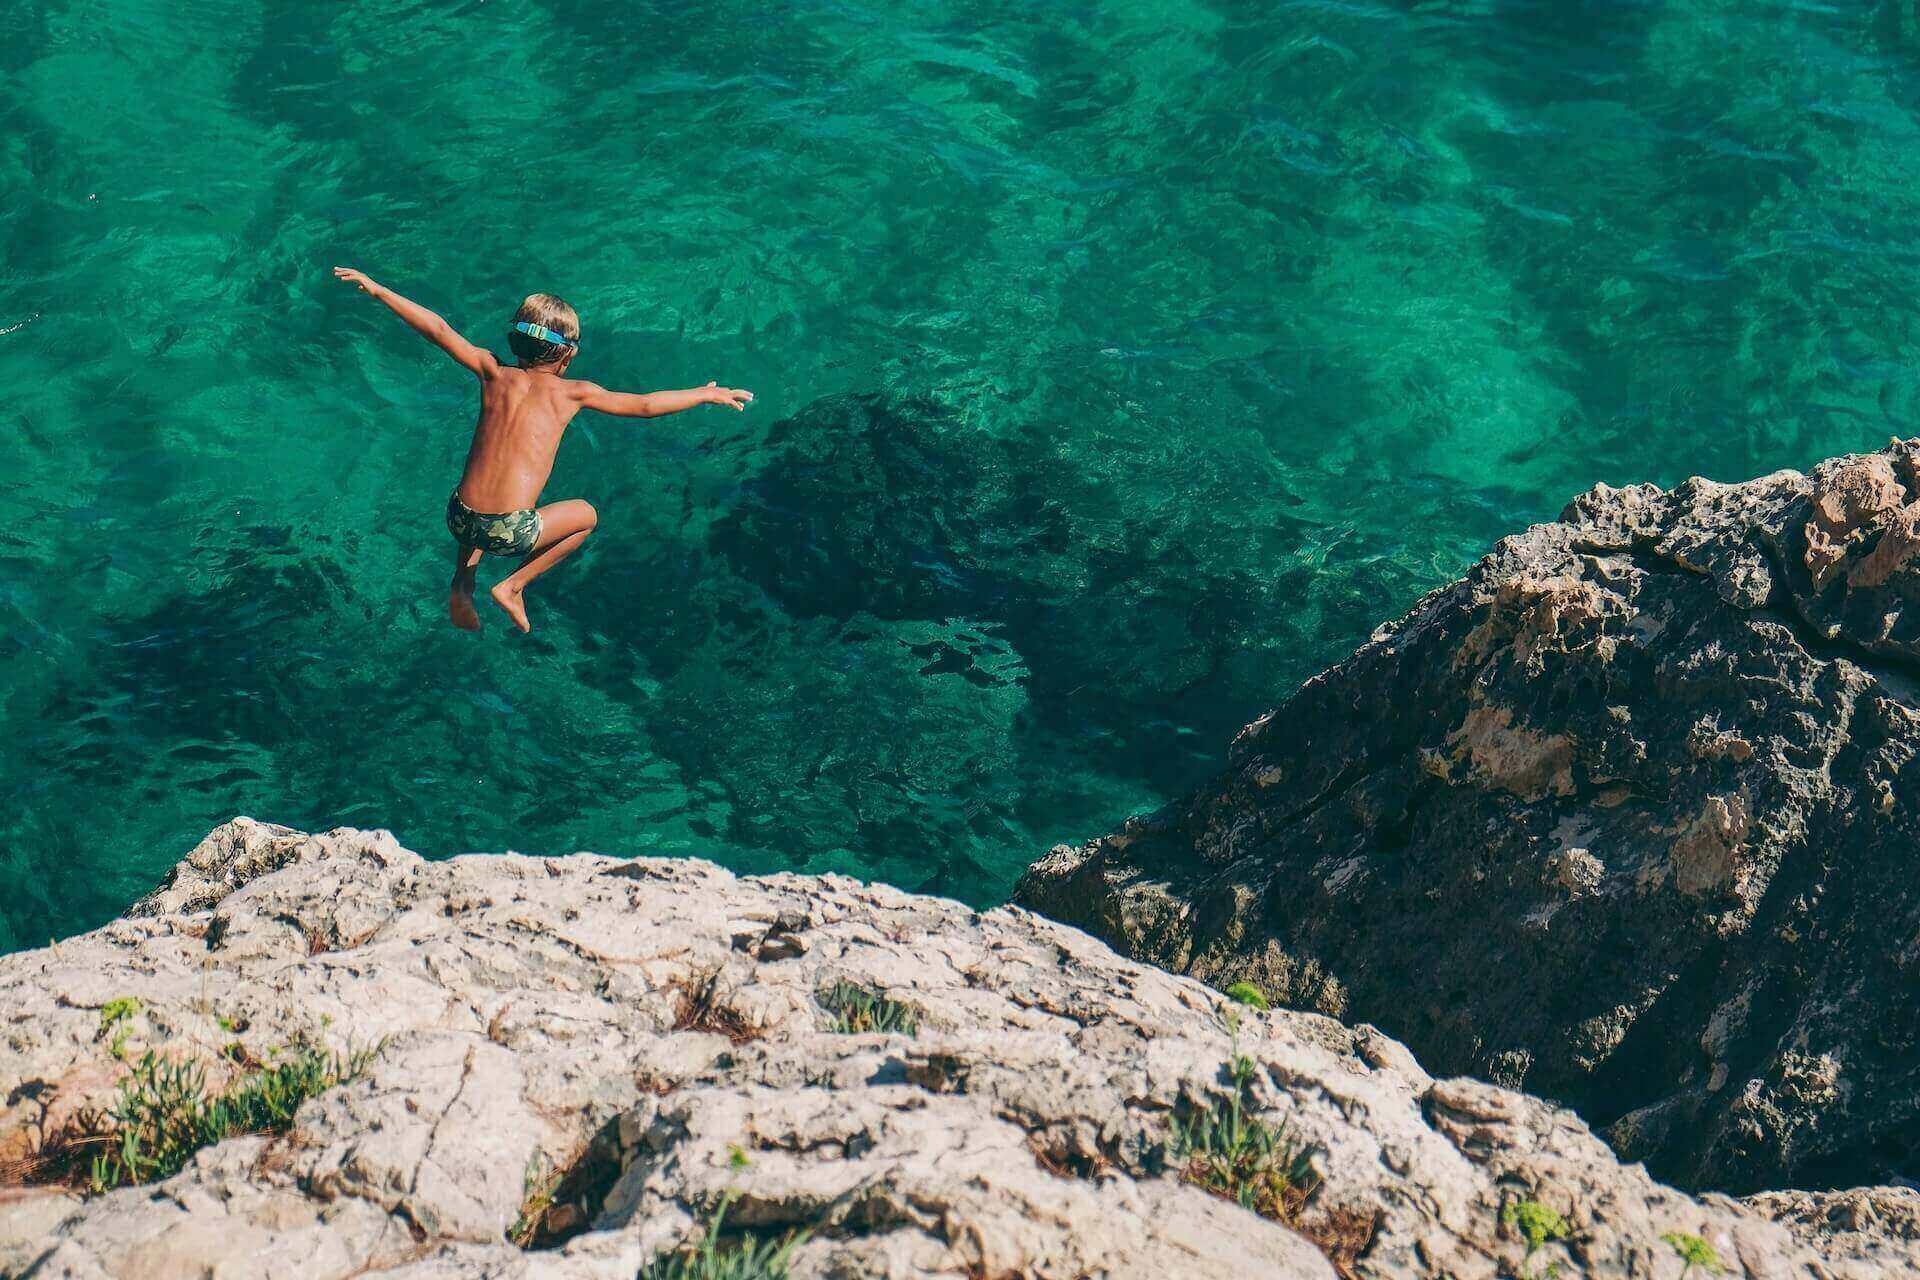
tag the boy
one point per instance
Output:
(524, 409)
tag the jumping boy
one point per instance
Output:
(524, 410)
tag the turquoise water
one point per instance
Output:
(1119, 365)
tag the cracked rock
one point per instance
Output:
(526, 1010)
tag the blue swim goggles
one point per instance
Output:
(545, 334)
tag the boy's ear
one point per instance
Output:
(566, 360)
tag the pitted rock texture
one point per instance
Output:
(1625, 817)
(525, 1006)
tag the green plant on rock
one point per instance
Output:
(1248, 994)
(558, 1201)
(749, 1258)
(857, 1010)
(163, 1113)
(1693, 1252)
(1240, 1157)
(115, 1017)
(537, 1185)
(1539, 1225)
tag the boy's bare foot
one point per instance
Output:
(507, 597)
(460, 610)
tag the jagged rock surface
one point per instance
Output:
(524, 1006)
(1627, 815)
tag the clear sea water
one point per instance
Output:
(1119, 365)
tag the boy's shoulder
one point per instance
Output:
(576, 389)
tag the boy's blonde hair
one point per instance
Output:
(549, 312)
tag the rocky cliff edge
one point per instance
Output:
(593, 1055)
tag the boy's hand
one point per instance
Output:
(717, 394)
(358, 279)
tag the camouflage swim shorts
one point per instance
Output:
(510, 533)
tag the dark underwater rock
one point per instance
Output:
(1626, 816)
(1143, 627)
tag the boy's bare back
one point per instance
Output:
(524, 411)
(523, 414)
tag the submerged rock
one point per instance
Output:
(1626, 816)
(657, 1030)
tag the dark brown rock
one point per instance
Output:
(1626, 816)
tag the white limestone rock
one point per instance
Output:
(522, 1006)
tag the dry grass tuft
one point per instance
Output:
(1343, 1235)
(701, 1006)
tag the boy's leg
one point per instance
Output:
(460, 597)
(563, 527)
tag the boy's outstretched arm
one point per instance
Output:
(654, 404)
(427, 324)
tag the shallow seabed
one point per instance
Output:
(1119, 366)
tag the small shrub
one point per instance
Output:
(115, 1015)
(1694, 1252)
(1240, 1157)
(857, 1010)
(746, 1259)
(118, 1010)
(1248, 994)
(163, 1113)
(1538, 1225)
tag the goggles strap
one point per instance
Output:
(545, 334)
